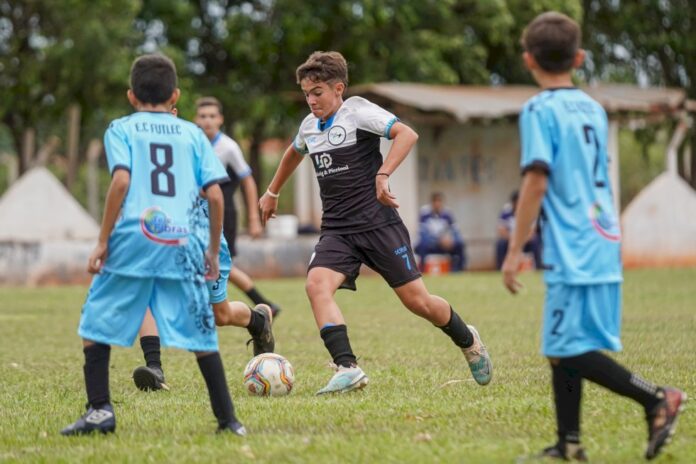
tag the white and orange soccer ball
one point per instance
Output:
(269, 374)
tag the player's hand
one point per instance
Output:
(97, 258)
(255, 228)
(384, 196)
(511, 266)
(212, 265)
(268, 206)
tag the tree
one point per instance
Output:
(55, 53)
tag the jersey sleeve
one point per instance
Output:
(235, 159)
(536, 140)
(210, 170)
(117, 148)
(300, 144)
(372, 118)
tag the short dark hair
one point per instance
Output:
(209, 101)
(153, 78)
(437, 196)
(553, 39)
(324, 67)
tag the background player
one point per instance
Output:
(160, 249)
(564, 164)
(359, 222)
(209, 118)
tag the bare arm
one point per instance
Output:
(114, 199)
(533, 189)
(268, 204)
(252, 199)
(404, 139)
(216, 207)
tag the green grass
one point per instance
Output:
(406, 414)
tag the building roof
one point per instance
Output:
(466, 102)
(37, 207)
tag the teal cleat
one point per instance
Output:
(478, 359)
(344, 380)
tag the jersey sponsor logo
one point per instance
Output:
(158, 227)
(323, 161)
(605, 223)
(337, 135)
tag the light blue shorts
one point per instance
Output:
(115, 307)
(581, 318)
(217, 289)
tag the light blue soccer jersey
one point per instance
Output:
(159, 233)
(564, 132)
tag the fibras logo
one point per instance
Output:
(605, 223)
(157, 226)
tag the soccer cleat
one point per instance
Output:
(478, 358)
(564, 452)
(345, 379)
(94, 420)
(264, 342)
(275, 310)
(149, 378)
(662, 420)
(234, 427)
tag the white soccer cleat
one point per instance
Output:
(345, 379)
(478, 359)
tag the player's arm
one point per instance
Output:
(216, 207)
(404, 138)
(534, 184)
(114, 199)
(268, 204)
(251, 194)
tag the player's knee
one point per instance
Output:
(315, 288)
(553, 361)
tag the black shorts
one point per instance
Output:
(229, 229)
(386, 250)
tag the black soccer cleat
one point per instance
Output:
(662, 420)
(100, 420)
(234, 427)
(564, 452)
(275, 310)
(264, 342)
(149, 379)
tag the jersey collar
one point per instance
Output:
(216, 138)
(325, 125)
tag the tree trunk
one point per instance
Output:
(255, 155)
(72, 145)
(94, 150)
(28, 149)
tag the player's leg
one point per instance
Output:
(150, 376)
(110, 315)
(415, 296)
(242, 281)
(321, 287)
(185, 320)
(258, 321)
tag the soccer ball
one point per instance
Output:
(269, 374)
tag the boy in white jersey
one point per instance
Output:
(564, 165)
(156, 245)
(359, 222)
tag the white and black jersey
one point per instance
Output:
(345, 153)
(231, 157)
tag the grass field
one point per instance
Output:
(421, 404)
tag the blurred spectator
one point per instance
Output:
(506, 223)
(438, 234)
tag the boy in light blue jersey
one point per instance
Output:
(565, 171)
(157, 245)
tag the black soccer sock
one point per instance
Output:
(336, 341)
(256, 297)
(151, 351)
(256, 323)
(603, 370)
(96, 371)
(567, 394)
(457, 330)
(220, 399)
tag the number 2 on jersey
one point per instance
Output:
(591, 137)
(161, 171)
